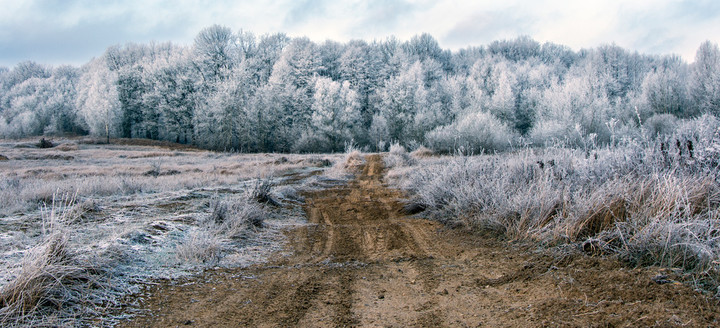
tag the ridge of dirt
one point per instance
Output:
(360, 262)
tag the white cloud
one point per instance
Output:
(73, 31)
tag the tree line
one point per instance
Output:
(237, 91)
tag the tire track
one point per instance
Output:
(360, 263)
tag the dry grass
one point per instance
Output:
(397, 157)
(56, 285)
(32, 177)
(646, 202)
(347, 166)
(67, 147)
(52, 285)
(228, 220)
(201, 246)
(422, 152)
(139, 213)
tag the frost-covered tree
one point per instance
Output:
(25, 111)
(559, 56)
(574, 110)
(215, 53)
(424, 47)
(522, 48)
(288, 94)
(42, 101)
(336, 112)
(172, 93)
(400, 100)
(97, 99)
(246, 45)
(502, 101)
(361, 66)
(236, 91)
(665, 88)
(705, 78)
(61, 107)
(223, 120)
(130, 62)
(22, 72)
(269, 50)
(330, 53)
(617, 71)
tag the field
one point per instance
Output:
(137, 235)
(84, 219)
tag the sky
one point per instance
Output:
(72, 32)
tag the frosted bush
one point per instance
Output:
(476, 132)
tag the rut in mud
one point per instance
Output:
(360, 262)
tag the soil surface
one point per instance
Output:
(360, 262)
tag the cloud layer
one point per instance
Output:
(73, 31)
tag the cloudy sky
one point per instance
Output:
(73, 31)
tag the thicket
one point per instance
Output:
(650, 201)
(273, 93)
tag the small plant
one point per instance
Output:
(155, 168)
(218, 211)
(651, 202)
(44, 143)
(348, 165)
(229, 221)
(260, 191)
(201, 246)
(55, 285)
(422, 152)
(397, 157)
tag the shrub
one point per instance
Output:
(349, 164)
(229, 220)
(422, 152)
(56, 285)
(397, 157)
(549, 132)
(201, 246)
(44, 143)
(312, 143)
(649, 203)
(260, 191)
(475, 132)
(660, 125)
(53, 283)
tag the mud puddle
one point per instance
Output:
(359, 262)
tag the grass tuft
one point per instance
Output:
(397, 157)
(348, 165)
(56, 285)
(649, 202)
(229, 221)
(261, 190)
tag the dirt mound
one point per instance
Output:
(361, 263)
(422, 152)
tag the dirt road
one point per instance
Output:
(361, 263)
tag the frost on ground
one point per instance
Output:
(649, 202)
(85, 225)
(361, 262)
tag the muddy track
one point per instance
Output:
(360, 262)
